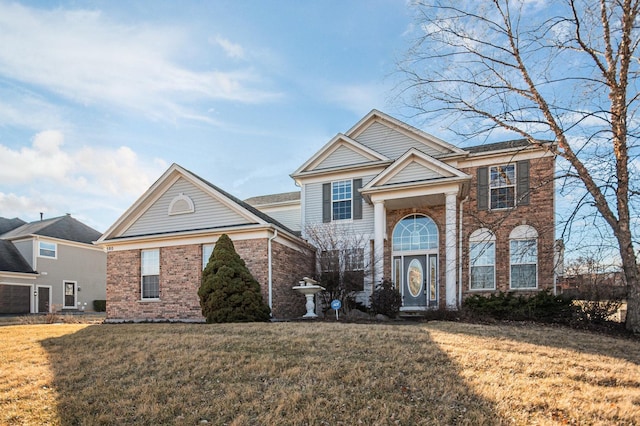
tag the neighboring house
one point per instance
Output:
(439, 221)
(157, 249)
(50, 265)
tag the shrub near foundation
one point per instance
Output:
(543, 307)
(228, 292)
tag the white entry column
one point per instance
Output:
(379, 223)
(450, 249)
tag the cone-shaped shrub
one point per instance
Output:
(228, 292)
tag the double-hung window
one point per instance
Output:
(341, 200)
(502, 186)
(523, 257)
(341, 197)
(482, 260)
(150, 268)
(47, 249)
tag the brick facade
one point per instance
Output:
(539, 214)
(181, 273)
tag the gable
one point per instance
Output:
(208, 212)
(342, 156)
(393, 143)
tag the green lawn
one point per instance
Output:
(317, 373)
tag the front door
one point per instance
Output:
(44, 299)
(415, 282)
(69, 294)
(418, 276)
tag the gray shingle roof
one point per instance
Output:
(11, 260)
(518, 143)
(7, 225)
(282, 197)
(63, 227)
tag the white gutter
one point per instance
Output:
(460, 283)
(275, 234)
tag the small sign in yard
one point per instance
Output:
(336, 305)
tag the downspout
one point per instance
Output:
(460, 283)
(270, 268)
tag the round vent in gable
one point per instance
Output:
(181, 204)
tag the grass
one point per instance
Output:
(315, 373)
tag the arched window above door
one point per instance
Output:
(415, 232)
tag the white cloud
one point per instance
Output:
(357, 98)
(94, 184)
(83, 56)
(232, 50)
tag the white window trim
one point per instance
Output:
(350, 199)
(514, 184)
(64, 296)
(524, 233)
(479, 236)
(204, 259)
(55, 249)
(149, 299)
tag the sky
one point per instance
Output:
(99, 98)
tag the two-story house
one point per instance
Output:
(50, 265)
(439, 221)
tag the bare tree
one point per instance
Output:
(564, 70)
(345, 261)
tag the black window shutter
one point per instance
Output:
(326, 202)
(483, 188)
(357, 199)
(522, 169)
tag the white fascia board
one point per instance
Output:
(503, 157)
(416, 189)
(250, 232)
(339, 173)
(17, 275)
(335, 142)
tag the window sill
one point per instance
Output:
(523, 288)
(148, 300)
(478, 290)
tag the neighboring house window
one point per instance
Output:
(523, 257)
(503, 186)
(150, 264)
(207, 249)
(482, 259)
(47, 249)
(341, 200)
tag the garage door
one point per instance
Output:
(15, 299)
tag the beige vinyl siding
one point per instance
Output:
(390, 142)
(313, 208)
(288, 217)
(342, 156)
(26, 248)
(209, 212)
(414, 172)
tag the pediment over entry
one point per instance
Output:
(413, 167)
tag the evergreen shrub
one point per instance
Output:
(228, 292)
